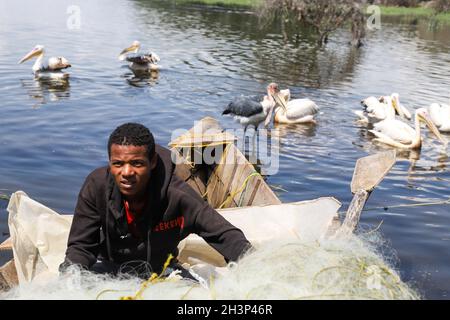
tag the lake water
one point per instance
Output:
(52, 136)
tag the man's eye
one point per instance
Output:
(116, 164)
(137, 164)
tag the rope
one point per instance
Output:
(407, 205)
(244, 185)
(153, 279)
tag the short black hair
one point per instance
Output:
(132, 134)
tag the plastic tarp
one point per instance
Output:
(39, 234)
(39, 237)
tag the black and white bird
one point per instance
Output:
(252, 110)
(140, 61)
(51, 69)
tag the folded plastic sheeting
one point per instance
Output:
(304, 221)
(39, 234)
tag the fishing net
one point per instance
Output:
(348, 268)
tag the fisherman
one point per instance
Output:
(132, 214)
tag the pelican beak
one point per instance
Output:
(396, 107)
(269, 116)
(406, 113)
(126, 50)
(401, 110)
(279, 99)
(432, 128)
(30, 55)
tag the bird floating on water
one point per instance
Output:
(398, 134)
(252, 110)
(51, 69)
(140, 62)
(296, 110)
(440, 115)
(382, 108)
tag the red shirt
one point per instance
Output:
(131, 220)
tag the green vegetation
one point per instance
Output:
(403, 11)
(418, 12)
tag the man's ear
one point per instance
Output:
(153, 161)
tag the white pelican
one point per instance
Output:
(385, 107)
(376, 110)
(440, 115)
(51, 69)
(400, 135)
(296, 110)
(252, 110)
(142, 62)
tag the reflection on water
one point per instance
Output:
(294, 131)
(268, 57)
(141, 78)
(44, 91)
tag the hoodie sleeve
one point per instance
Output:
(202, 219)
(84, 236)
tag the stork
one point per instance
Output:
(252, 110)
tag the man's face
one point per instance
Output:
(131, 168)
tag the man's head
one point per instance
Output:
(131, 150)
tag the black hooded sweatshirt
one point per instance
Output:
(100, 231)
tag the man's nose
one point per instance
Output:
(127, 170)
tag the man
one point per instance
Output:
(135, 211)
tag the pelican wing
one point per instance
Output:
(299, 108)
(137, 58)
(435, 114)
(396, 130)
(446, 110)
(380, 137)
(55, 64)
(142, 58)
(244, 106)
(440, 115)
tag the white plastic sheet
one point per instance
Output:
(39, 234)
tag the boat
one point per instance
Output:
(234, 187)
